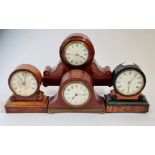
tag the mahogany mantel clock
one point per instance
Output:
(25, 83)
(77, 52)
(76, 94)
(128, 82)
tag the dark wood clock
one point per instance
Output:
(128, 82)
(25, 82)
(77, 52)
(76, 94)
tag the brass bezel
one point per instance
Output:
(23, 70)
(81, 82)
(140, 90)
(73, 42)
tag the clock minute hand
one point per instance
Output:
(129, 86)
(133, 78)
(80, 56)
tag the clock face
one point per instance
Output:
(129, 82)
(23, 83)
(76, 53)
(76, 93)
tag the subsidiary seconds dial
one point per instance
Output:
(129, 80)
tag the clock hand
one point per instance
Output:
(19, 78)
(129, 86)
(76, 55)
(133, 78)
(80, 56)
(74, 96)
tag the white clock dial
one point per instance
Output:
(76, 53)
(129, 82)
(23, 83)
(76, 93)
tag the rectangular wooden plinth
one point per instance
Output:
(113, 106)
(51, 111)
(27, 106)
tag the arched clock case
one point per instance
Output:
(77, 52)
(76, 86)
(25, 82)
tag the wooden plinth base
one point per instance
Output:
(27, 106)
(113, 106)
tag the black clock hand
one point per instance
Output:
(80, 56)
(133, 78)
(129, 86)
(74, 96)
(76, 55)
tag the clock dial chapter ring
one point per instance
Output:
(129, 81)
(76, 94)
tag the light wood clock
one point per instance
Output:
(76, 94)
(25, 82)
(77, 52)
(128, 82)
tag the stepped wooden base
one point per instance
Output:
(116, 106)
(27, 106)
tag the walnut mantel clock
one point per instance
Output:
(76, 94)
(77, 52)
(25, 82)
(128, 82)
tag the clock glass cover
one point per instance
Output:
(76, 93)
(129, 82)
(76, 53)
(23, 83)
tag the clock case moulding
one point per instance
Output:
(96, 103)
(37, 103)
(101, 76)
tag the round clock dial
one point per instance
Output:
(129, 82)
(23, 83)
(77, 50)
(128, 79)
(76, 53)
(76, 93)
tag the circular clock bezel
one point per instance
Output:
(77, 38)
(67, 84)
(26, 70)
(125, 69)
(71, 44)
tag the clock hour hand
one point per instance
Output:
(76, 55)
(74, 96)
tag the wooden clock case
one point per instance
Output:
(37, 103)
(96, 104)
(116, 103)
(101, 76)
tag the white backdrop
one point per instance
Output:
(41, 48)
